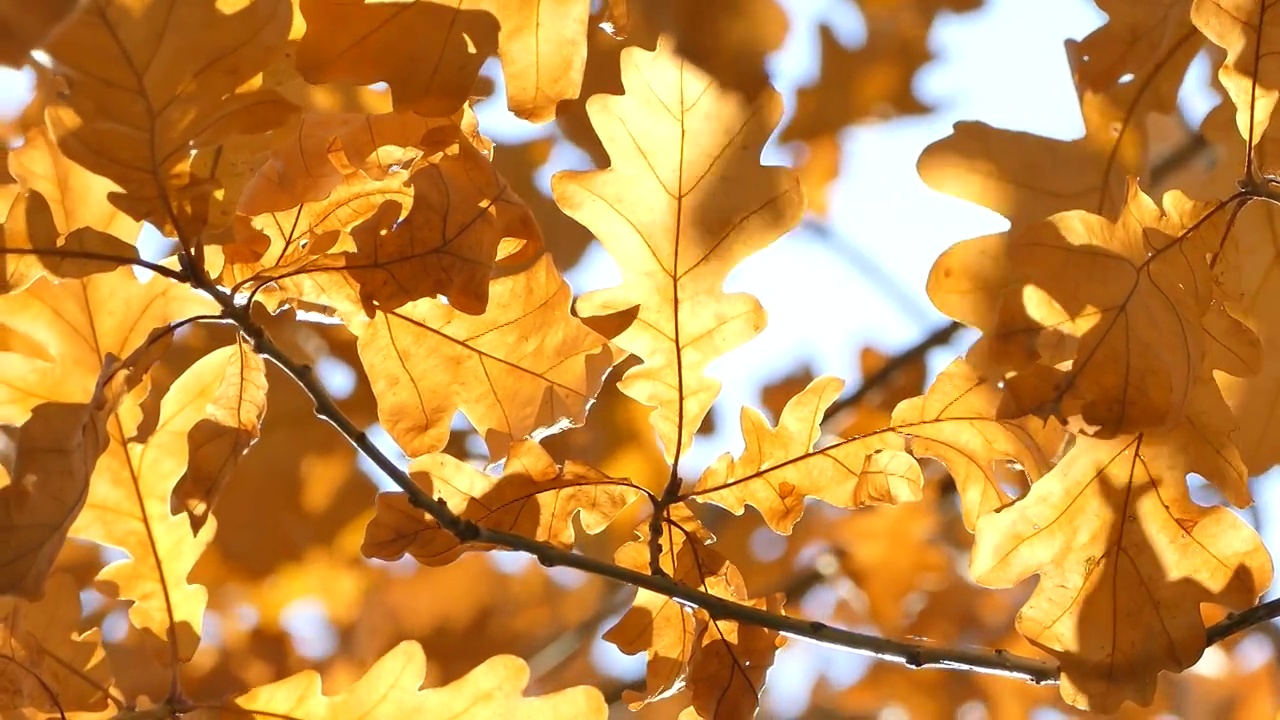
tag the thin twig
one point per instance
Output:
(1237, 622)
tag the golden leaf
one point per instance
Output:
(1134, 335)
(128, 508)
(526, 365)
(150, 80)
(1249, 75)
(779, 467)
(62, 671)
(722, 661)
(390, 688)
(77, 198)
(1125, 559)
(31, 247)
(216, 442)
(955, 422)
(684, 200)
(542, 46)
(75, 324)
(533, 498)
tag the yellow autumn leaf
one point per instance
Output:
(129, 508)
(151, 79)
(543, 47)
(955, 422)
(523, 367)
(411, 207)
(722, 661)
(533, 498)
(63, 671)
(390, 689)
(31, 247)
(76, 324)
(216, 442)
(1125, 559)
(780, 468)
(1026, 177)
(1250, 35)
(1110, 356)
(684, 200)
(77, 198)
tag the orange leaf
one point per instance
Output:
(152, 79)
(25, 26)
(1251, 37)
(542, 45)
(30, 247)
(533, 498)
(1125, 559)
(779, 467)
(525, 366)
(390, 689)
(684, 200)
(52, 668)
(723, 662)
(216, 442)
(955, 422)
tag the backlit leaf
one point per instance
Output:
(684, 200)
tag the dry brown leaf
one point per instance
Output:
(533, 498)
(150, 80)
(779, 467)
(523, 367)
(542, 46)
(216, 442)
(684, 200)
(62, 670)
(26, 26)
(956, 422)
(390, 689)
(1125, 559)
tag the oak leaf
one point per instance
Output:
(683, 201)
(217, 441)
(1125, 559)
(723, 662)
(1026, 177)
(31, 247)
(77, 197)
(365, 210)
(129, 508)
(72, 326)
(533, 498)
(25, 27)
(1117, 354)
(525, 366)
(1146, 48)
(780, 468)
(390, 688)
(542, 47)
(151, 79)
(63, 671)
(956, 423)
(1249, 73)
